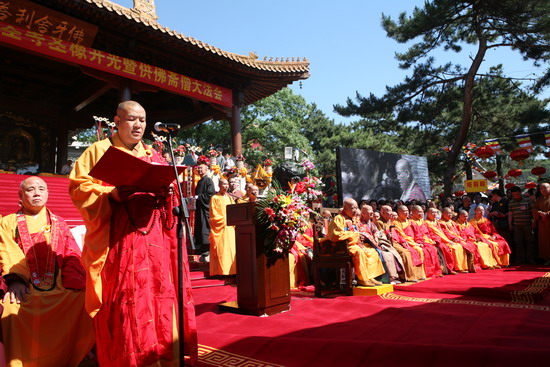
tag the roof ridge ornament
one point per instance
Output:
(145, 9)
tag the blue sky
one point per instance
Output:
(344, 41)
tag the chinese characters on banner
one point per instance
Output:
(47, 22)
(475, 185)
(128, 68)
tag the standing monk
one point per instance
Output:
(130, 257)
(222, 236)
(542, 215)
(44, 320)
(204, 192)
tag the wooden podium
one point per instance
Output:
(261, 290)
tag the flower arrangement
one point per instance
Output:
(240, 158)
(212, 153)
(310, 188)
(281, 215)
(268, 162)
(203, 160)
(308, 165)
(231, 172)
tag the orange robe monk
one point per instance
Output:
(468, 234)
(432, 266)
(222, 236)
(51, 328)
(455, 258)
(451, 230)
(130, 256)
(366, 261)
(489, 235)
(404, 235)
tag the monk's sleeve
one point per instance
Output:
(337, 232)
(72, 272)
(92, 200)
(12, 258)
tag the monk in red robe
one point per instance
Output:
(488, 234)
(44, 320)
(130, 257)
(432, 266)
(451, 230)
(453, 253)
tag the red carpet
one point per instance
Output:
(59, 200)
(406, 328)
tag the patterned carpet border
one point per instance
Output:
(217, 357)
(397, 297)
(534, 292)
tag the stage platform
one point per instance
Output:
(459, 320)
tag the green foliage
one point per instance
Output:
(440, 104)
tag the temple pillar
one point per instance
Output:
(124, 90)
(236, 133)
(62, 148)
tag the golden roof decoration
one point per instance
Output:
(144, 13)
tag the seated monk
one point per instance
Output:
(450, 228)
(234, 189)
(366, 261)
(44, 321)
(300, 255)
(377, 239)
(251, 195)
(386, 224)
(432, 265)
(404, 235)
(453, 253)
(488, 234)
(468, 234)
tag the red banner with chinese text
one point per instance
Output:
(78, 54)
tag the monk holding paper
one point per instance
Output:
(130, 256)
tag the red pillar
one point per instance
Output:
(236, 134)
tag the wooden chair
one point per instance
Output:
(331, 255)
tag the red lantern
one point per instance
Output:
(509, 185)
(484, 152)
(538, 171)
(459, 193)
(489, 174)
(519, 154)
(530, 185)
(515, 172)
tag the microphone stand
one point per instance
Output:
(182, 213)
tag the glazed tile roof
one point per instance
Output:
(282, 65)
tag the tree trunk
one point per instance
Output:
(467, 112)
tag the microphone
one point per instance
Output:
(166, 127)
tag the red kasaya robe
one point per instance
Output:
(432, 266)
(130, 255)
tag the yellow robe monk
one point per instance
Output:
(51, 328)
(222, 237)
(460, 261)
(366, 261)
(467, 231)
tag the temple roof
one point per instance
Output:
(275, 65)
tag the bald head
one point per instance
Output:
(33, 193)
(545, 189)
(350, 207)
